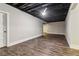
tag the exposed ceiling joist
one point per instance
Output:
(54, 12)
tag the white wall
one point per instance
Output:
(22, 26)
(72, 26)
(54, 28)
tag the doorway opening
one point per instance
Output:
(3, 29)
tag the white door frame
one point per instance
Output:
(7, 40)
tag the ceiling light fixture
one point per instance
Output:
(44, 12)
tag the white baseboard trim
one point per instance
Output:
(20, 41)
(56, 33)
(74, 46)
(68, 40)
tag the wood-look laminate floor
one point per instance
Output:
(51, 45)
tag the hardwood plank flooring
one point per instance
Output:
(50, 45)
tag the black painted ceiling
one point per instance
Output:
(49, 12)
